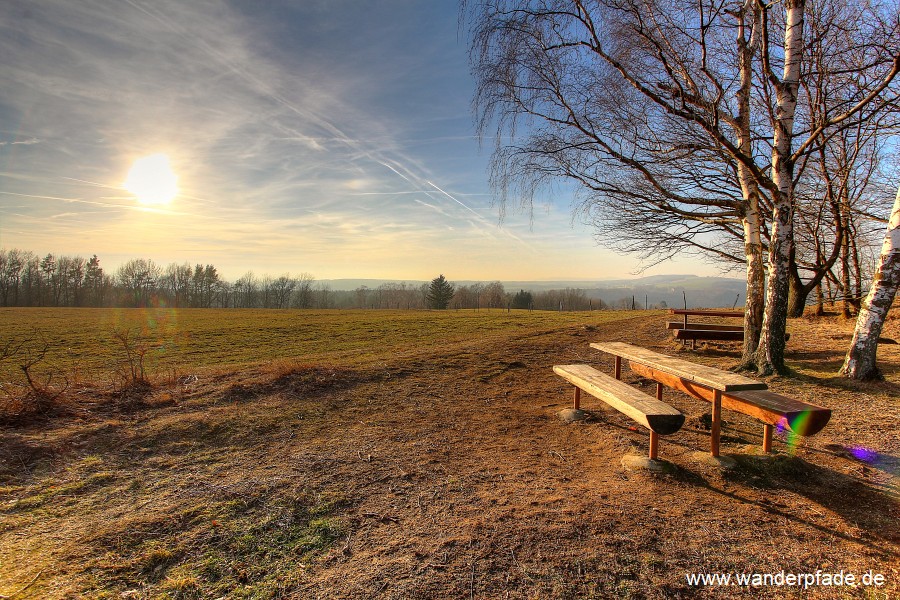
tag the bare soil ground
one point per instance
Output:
(444, 473)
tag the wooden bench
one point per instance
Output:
(652, 413)
(709, 331)
(715, 381)
(706, 331)
(773, 409)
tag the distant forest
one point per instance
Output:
(27, 279)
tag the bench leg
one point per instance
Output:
(654, 445)
(767, 437)
(659, 389)
(618, 367)
(716, 423)
(577, 401)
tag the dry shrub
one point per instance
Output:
(37, 396)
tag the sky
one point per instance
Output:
(330, 137)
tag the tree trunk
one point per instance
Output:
(797, 290)
(756, 287)
(857, 296)
(820, 301)
(860, 361)
(770, 353)
(756, 275)
(845, 274)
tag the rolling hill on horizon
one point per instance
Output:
(653, 290)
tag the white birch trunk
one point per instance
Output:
(860, 361)
(756, 279)
(753, 311)
(770, 353)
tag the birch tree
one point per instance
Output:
(770, 352)
(860, 360)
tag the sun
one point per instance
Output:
(152, 181)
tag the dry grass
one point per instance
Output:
(431, 466)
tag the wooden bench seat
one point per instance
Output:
(700, 331)
(709, 334)
(773, 409)
(652, 413)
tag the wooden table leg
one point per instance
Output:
(618, 367)
(716, 422)
(767, 437)
(577, 398)
(654, 444)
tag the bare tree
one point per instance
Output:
(860, 360)
(282, 288)
(138, 278)
(266, 291)
(324, 295)
(362, 296)
(494, 295)
(303, 294)
(246, 290)
(12, 263)
(177, 283)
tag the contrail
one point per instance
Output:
(465, 206)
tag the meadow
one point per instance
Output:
(84, 342)
(417, 454)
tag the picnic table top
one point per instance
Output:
(710, 377)
(700, 312)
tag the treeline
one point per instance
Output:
(27, 279)
(475, 296)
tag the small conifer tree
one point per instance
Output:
(440, 292)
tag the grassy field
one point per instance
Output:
(183, 341)
(367, 454)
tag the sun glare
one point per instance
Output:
(152, 181)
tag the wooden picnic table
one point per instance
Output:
(711, 378)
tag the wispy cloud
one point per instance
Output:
(318, 136)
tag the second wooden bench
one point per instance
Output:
(652, 413)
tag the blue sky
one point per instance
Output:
(332, 137)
